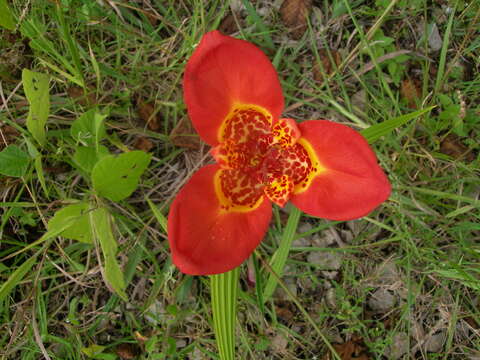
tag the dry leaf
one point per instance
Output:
(127, 351)
(184, 135)
(411, 91)
(284, 311)
(8, 135)
(351, 350)
(140, 338)
(453, 146)
(143, 143)
(80, 96)
(326, 66)
(228, 25)
(294, 15)
(146, 112)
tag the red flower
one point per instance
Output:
(234, 100)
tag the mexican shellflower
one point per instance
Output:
(234, 99)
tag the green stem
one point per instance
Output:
(224, 293)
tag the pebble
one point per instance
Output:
(435, 342)
(382, 300)
(399, 346)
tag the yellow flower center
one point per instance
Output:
(259, 157)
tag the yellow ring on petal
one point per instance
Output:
(316, 168)
(236, 192)
(257, 117)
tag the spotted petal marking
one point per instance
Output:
(260, 158)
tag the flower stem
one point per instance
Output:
(224, 292)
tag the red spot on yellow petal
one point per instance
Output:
(237, 191)
(259, 158)
(279, 190)
(245, 123)
(313, 169)
(285, 132)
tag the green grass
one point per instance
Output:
(54, 300)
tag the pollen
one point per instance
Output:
(261, 158)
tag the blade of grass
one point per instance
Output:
(375, 132)
(258, 283)
(16, 277)
(224, 288)
(302, 310)
(259, 22)
(162, 220)
(280, 257)
(443, 53)
(72, 45)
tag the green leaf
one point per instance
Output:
(13, 161)
(279, 259)
(16, 277)
(93, 350)
(224, 293)
(101, 224)
(116, 177)
(37, 162)
(77, 220)
(36, 90)
(375, 132)
(87, 156)
(158, 215)
(6, 18)
(89, 129)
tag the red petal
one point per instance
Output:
(350, 183)
(204, 239)
(223, 71)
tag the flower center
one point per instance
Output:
(260, 158)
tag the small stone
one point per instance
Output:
(434, 40)
(399, 346)
(279, 343)
(325, 260)
(281, 294)
(181, 343)
(197, 355)
(304, 227)
(323, 241)
(435, 342)
(330, 299)
(382, 300)
(359, 101)
(302, 242)
(156, 313)
(387, 272)
(347, 235)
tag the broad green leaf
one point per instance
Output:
(36, 90)
(77, 220)
(116, 177)
(6, 18)
(16, 277)
(224, 293)
(13, 161)
(375, 132)
(87, 156)
(101, 224)
(89, 129)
